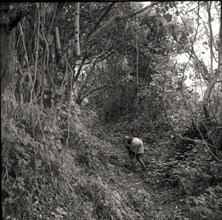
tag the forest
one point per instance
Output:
(78, 77)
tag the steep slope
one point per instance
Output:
(88, 177)
(130, 193)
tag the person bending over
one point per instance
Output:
(135, 147)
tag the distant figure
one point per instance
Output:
(135, 147)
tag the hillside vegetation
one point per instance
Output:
(77, 77)
(93, 179)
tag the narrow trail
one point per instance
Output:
(124, 179)
(140, 194)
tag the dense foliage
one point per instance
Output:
(77, 77)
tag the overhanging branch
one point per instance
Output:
(97, 34)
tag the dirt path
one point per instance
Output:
(163, 202)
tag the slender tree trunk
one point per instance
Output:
(220, 50)
(57, 46)
(137, 70)
(211, 35)
(77, 43)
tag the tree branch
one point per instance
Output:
(94, 90)
(114, 19)
(100, 20)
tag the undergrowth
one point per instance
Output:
(188, 168)
(46, 176)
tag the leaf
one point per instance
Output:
(20, 180)
(61, 211)
(34, 144)
(52, 156)
(26, 139)
(38, 163)
(19, 149)
(168, 17)
(59, 145)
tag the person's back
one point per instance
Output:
(135, 148)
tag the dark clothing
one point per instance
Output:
(129, 140)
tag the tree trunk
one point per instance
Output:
(77, 43)
(214, 78)
(7, 45)
(220, 50)
(57, 46)
(9, 18)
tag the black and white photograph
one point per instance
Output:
(111, 110)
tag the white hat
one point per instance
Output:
(126, 137)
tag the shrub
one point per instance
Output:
(207, 205)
